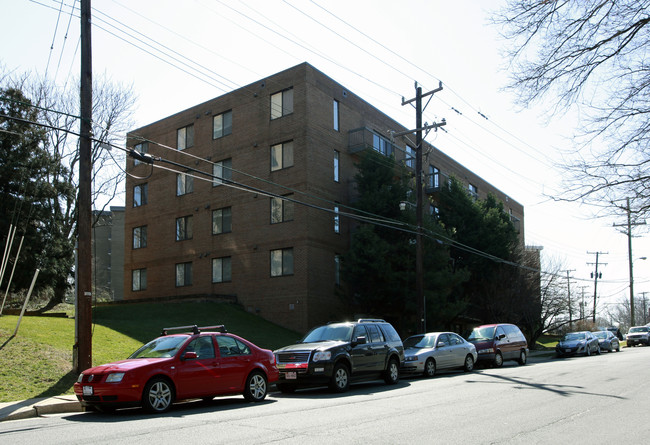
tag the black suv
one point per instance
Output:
(337, 353)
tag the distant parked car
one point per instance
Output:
(427, 353)
(573, 343)
(498, 342)
(203, 363)
(608, 341)
(638, 335)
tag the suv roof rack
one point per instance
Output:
(195, 329)
(371, 320)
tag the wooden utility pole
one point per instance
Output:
(596, 276)
(630, 259)
(419, 267)
(568, 284)
(84, 200)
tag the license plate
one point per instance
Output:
(290, 376)
(88, 390)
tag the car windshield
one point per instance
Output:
(161, 347)
(600, 334)
(420, 341)
(574, 336)
(639, 329)
(336, 332)
(482, 334)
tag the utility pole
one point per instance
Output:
(582, 303)
(595, 276)
(568, 284)
(419, 268)
(629, 251)
(645, 309)
(84, 200)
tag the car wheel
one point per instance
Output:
(158, 395)
(618, 347)
(498, 360)
(430, 368)
(285, 389)
(340, 379)
(588, 353)
(523, 357)
(391, 375)
(598, 350)
(256, 387)
(468, 366)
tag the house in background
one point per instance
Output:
(223, 214)
(108, 254)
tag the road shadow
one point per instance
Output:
(357, 388)
(561, 390)
(178, 410)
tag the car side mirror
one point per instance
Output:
(189, 355)
(441, 344)
(501, 336)
(360, 341)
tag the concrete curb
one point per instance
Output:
(39, 407)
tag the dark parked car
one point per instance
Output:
(203, 363)
(582, 342)
(608, 341)
(338, 353)
(498, 342)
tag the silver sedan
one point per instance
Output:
(427, 353)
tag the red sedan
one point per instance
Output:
(203, 363)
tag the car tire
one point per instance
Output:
(468, 366)
(256, 387)
(285, 388)
(498, 360)
(618, 347)
(340, 381)
(158, 395)
(598, 350)
(430, 368)
(588, 351)
(391, 375)
(523, 358)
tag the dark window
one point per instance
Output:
(222, 125)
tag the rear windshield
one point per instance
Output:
(482, 334)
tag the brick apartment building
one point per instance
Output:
(298, 134)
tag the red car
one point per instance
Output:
(203, 363)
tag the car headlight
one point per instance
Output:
(486, 351)
(321, 356)
(80, 378)
(116, 377)
(411, 358)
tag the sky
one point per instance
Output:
(175, 55)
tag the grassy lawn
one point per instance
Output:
(37, 362)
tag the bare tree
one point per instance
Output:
(588, 56)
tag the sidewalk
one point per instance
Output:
(37, 407)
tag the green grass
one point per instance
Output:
(37, 362)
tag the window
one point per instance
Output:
(281, 103)
(222, 172)
(382, 145)
(337, 270)
(281, 156)
(184, 184)
(282, 262)
(434, 177)
(222, 221)
(335, 109)
(221, 270)
(442, 338)
(222, 125)
(203, 346)
(281, 210)
(184, 228)
(143, 148)
(185, 137)
(140, 193)
(139, 237)
(138, 279)
(183, 274)
(337, 160)
(375, 334)
(337, 220)
(231, 346)
(410, 157)
(473, 191)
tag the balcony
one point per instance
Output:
(361, 139)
